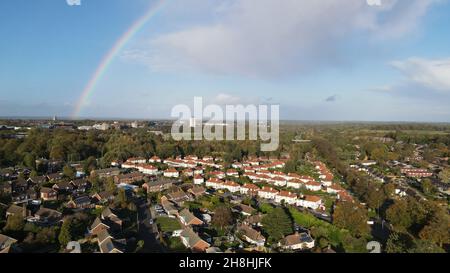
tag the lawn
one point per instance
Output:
(175, 245)
(167, 224)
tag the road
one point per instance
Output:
(147, 232)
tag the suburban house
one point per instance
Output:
(197, 191)
(158, 185)
(231, 186)
(178, 196)
(251, 235)
(279, 181)
(148, 169)
(214, 183)
(155, 159)
(168, 206)
(313, 186)
(297, 241)
(334, 189)
(286, 196)
(128, 178)
(53, 177)
(80, 185)
(295, 183)
(38, 180)
(417, 173)
(218, 174)
(244, 209)
(267, 193)
(137, 160)
(128, 165)
(173, 173)
(108, 244)
(310, 201)
(63, 187)
(5, 243)
(191, 240)
(254, 220)
(105, 173)
(48, 216)
(232, 172)
(107, 221)
(198, 179)
(17, 210)
(249, 189)
(48, 194)
(103, 197)
(189, 219)
(82, 202)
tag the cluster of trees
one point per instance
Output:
(414, 221)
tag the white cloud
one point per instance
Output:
(271, 38)
(229, 99)
(430, 73)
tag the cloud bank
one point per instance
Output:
(273, 38)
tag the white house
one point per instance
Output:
(155, 159)
(294, 183)
(251, 235)
(232, 172)
(218, 174)
(198, 179)
(310, 201)
(334, 189)
(279, 181)
(267, 193)
(237, 165)
(231, 186)
(214, 183)
(313, 186)
(148, 169)
(288, 197)
(249, 189)
(137, 160)
(128, 165)
(173, 173)
(297, 241)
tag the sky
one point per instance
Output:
(349, 60)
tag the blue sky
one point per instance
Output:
(320, 60)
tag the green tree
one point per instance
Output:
(110, 186)
(352, 217)
(122, 199)
(427, 186)
(444, 175)
(222, 217)
(29, 161)
(425, 246)
(399, 242)
(437, 230)
(277, 224)
(69, 172)
(398, 215)
(65, 235)
(14, 223)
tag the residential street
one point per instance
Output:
(147, 232)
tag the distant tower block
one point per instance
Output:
(192, 122)
(55, 118)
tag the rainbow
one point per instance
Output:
(112, 53)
